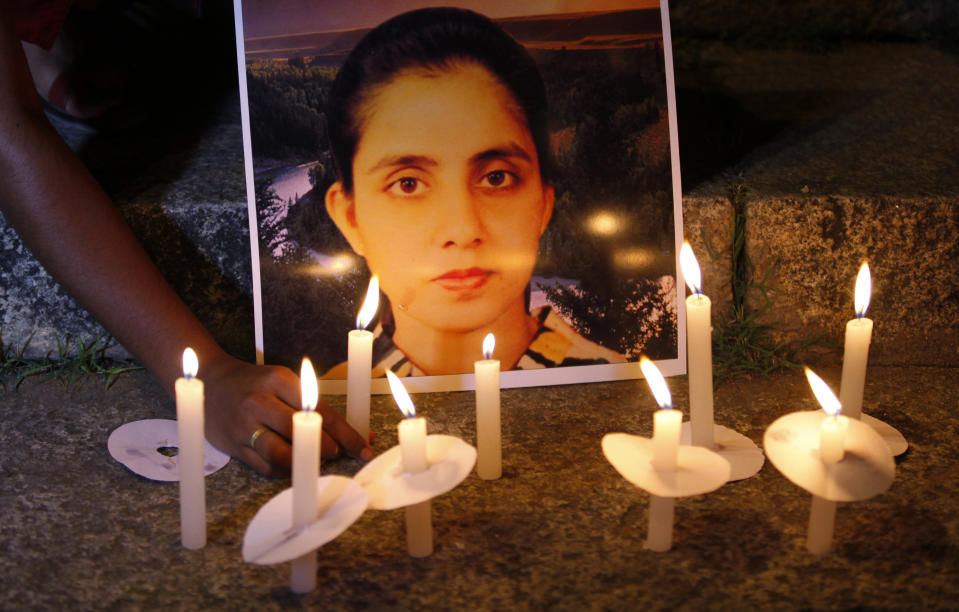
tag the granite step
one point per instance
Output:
(855, 157)
(846, 155)
(183, 193)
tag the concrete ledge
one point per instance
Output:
(814, 247)
(847, 155)
(184, 195)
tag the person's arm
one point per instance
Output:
(75, 231)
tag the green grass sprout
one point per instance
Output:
(741, 343)
(73, 359)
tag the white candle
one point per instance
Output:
(659, 536)
(666, 428)
(832, 431)
(822, 520)
(189, 416)
(666, 421)
(489, 463)
(856, 353)
(832, 436)
(412, 435)
(307, 439)
(360, 363)
(699, 352)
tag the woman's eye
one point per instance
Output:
(499, 179)
(406, 186)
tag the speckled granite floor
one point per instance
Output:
(560, 530)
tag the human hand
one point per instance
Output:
(242, 398)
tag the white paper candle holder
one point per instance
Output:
(698, 470)
(865, 470)
(744, 456)
(137, 446)
(390, 487)
(867, 467)
(893, 438)
(271, 538)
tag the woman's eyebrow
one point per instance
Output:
(392, 161)
(510, 149)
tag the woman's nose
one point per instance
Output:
(461, 223)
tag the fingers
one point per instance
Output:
(243, 398)
(285, 384)
(336, 428)
(275, 414)
(329, 449)
(250, 457)
(274, 450)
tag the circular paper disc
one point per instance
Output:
(744, 457)
(271, 538)
(136, 445)
(450, 461)
(698, 470)
(867, 469)
(894, 440)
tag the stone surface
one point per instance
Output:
(560, 530)
(184, 195)
(848, 155)
(815, 23)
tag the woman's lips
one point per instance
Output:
(460, 280)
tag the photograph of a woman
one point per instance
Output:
(437, 124)
(441, 171)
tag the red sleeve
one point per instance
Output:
(39, 21)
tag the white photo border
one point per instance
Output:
(512, 378)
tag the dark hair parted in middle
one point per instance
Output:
(432, 39)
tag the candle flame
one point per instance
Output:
(400, 395)
(656, 382)
(190, 363)
(309, 388)
(824, 395)
(489, 342)
(370, 304)
(690, 268)
(863, 290)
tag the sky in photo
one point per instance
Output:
(273, 17)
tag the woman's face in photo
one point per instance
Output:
(448, 204)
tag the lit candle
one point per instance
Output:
(307, 428)
(666, 421)
(699, 352)
(489, 464)
(412, 434)
(666, 425)
(856, 354)
(832, 432)
(832, 436)
(189, 417)
(360, 363)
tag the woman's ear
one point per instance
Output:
(549, 196)
(340, 207)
